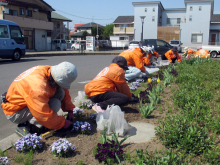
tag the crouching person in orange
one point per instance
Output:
(203, 53)
(172, 55)
(36, 95)
(147, 59)
(135, 62)
(109, 86)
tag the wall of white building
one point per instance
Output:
(173, 14)
(200, 23)
(40, 40)
(150, 27)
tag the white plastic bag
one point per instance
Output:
(113, 119)
(80, 98)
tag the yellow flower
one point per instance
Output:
(158, 80)
(149, 80)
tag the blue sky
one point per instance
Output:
(106, 11)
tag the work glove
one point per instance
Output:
(67, 124)
(70, 115)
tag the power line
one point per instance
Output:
(83, 17)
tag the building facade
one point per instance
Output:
(82, 28)
(123, 31)
(194, 25)
(34, 18)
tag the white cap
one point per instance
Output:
(148, 49)
(186, 48)
(144, 48)
(64, 74)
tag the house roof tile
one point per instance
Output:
(215, 18)
(89, 25)
(124, 19)
(55, 15)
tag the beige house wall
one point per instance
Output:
(35, 15)
(30, 23)
(1, 14)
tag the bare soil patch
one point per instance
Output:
(85, 143)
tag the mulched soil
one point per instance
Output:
(85, 143)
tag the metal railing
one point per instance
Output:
(215, 43)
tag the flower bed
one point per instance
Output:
(186, 117)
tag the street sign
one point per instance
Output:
(97, 36)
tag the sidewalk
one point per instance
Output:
(72, 53)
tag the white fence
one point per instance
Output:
(120, 43)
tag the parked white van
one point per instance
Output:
(60, 44)
(11, 40)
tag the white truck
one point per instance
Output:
(213, 50)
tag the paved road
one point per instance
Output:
(87, 66)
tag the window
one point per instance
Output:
(190, 18)
(161, 43)
(13, 12)
(200, 8)
(122, 28)
(153, 9)
(16, 34)
(191, 8)
(145, 9)
(168, 21)
(153, 18)
(3, 31)
(123, 38)
(173, 21)
(21, 11)
(29, 13)
(196, 37)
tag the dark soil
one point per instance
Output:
(84, 144)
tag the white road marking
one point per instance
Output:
(84, 82)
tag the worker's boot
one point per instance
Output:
(23, 129)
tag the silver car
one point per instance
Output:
(134, 44)
(177, 44)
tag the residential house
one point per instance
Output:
(85, 27)
(194, 25)
(61, 26)
(34, 18)
(123, 31)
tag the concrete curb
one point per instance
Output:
(6, 142)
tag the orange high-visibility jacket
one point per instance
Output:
(170, 55)
(203, 53)
(190, 51)
(134, 57)
(146, 60)
(32, 89)
(111, 78)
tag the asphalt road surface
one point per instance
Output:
(87, 67)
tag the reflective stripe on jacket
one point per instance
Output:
(32, 89)
(170, 55)
(146, 60)
(134, 57)
(111, 78)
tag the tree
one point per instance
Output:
(94, 32)
(84, 34)
(108, 30)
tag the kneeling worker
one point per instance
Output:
(147, 59)
(109, 86)
(135, 62)
(36, 95)
(172, 55)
